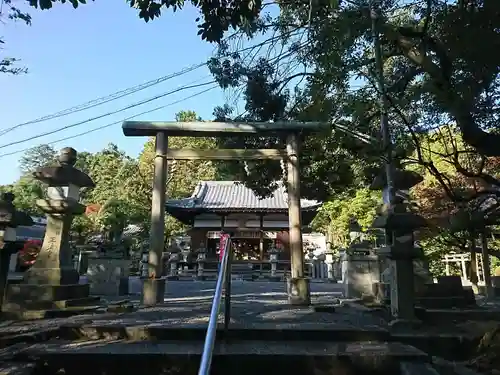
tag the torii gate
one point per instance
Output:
(297, 286)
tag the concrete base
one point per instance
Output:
(153, 291)
(52, 276)
(298, 291)
(31, 301)
(38, 293)
(48, 305)
(274, 278)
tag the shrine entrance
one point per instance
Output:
(298, 288)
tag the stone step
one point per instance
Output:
(17, 368)
(50, 313)
(47, 305)
(124, 348)
(142, 331)
(33, 292)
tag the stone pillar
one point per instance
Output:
(298, 288)
(490, 293)
(144, 266)
(402, 279)
(261, 243)
(152, 292)
(52, 278)
(447, 268)
(464, 270)
(173, 262)
(273, 259)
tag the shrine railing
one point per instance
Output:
(223, 282)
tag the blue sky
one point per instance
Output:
(75, 56)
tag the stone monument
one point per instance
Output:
(52, 282)
(361, 270)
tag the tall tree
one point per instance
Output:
(37, 157)
(431, 74)
(183, 175)
(334, 216)
(435, 56)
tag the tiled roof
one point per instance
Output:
(234, 196)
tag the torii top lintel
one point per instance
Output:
(218, 129)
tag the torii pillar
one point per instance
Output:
(154, 287)
(298, 288)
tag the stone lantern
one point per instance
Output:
(54, 263)
(273, 259)
(201, 259)
(355, 230)
(399, 224)
(173, 261)
(10, 218)
(330, 264)
(53, 277)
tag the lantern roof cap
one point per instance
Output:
(65, 173)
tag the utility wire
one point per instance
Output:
(104, 99)
(113, 123)
(132, 90)
(105, 114)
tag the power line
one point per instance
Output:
(104, 99)
(132, 90)
(113, 123)
(104, 115)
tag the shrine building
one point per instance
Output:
(256, 223)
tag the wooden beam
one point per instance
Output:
(226, 154)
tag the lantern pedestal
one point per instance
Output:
(54, 264)
(51, 286)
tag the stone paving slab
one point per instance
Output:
(229, 348)
(16, 368)
(254, 304)
(271, 332)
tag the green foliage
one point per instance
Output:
(26, 190)
(217, 16)
(334, 216)
(37, 157)
(47, 4)
(12, 13)
(183, 175)
(287, 77)
(123, 189)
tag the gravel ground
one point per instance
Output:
(188, 303)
